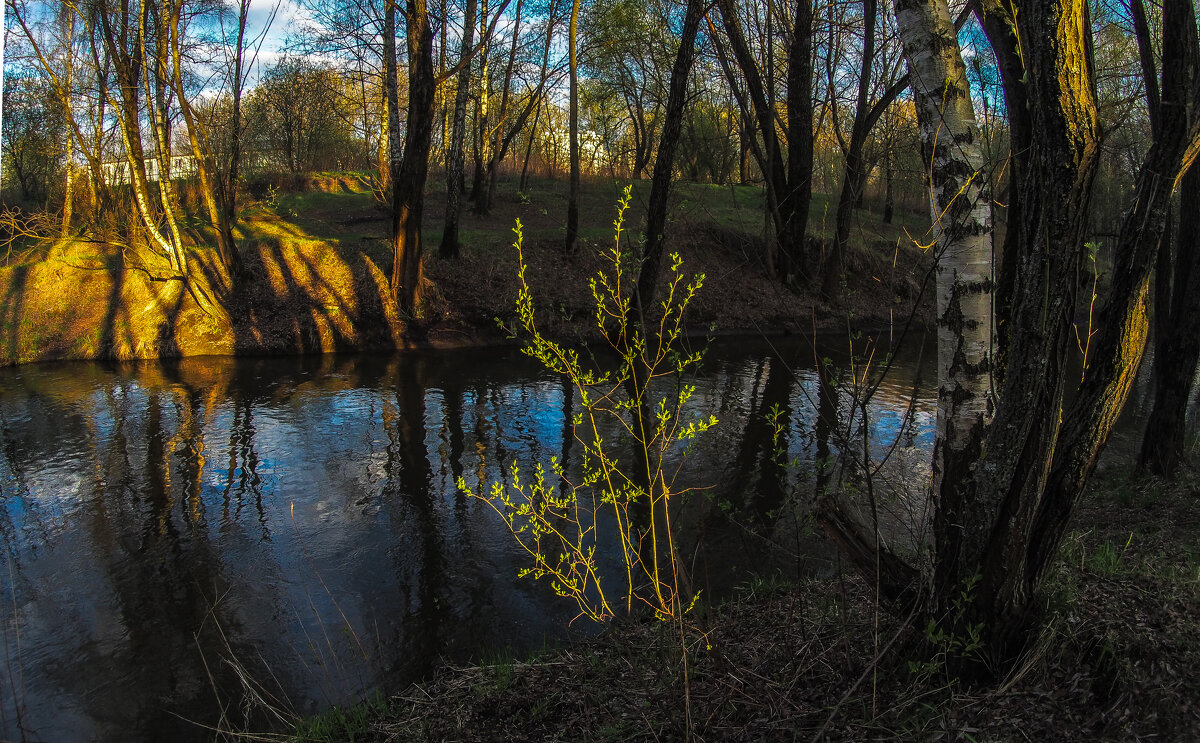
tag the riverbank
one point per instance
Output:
(316, 261)
(1115, 660)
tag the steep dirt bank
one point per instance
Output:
(316, 265)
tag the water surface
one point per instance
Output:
(181, 538)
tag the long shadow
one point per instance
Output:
(106, 347)
(304, 309)
(14, 303)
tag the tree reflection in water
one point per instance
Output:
(176, 533)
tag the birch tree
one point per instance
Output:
(1008, 475)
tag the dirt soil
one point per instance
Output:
(316, 262)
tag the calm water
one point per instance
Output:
(178, 537)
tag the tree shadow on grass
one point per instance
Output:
(297, 294)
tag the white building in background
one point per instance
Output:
(118, 171)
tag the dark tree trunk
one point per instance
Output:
(745, 132)
(997, 22)
(855, 175)
(664, 164)
(789, 186)
(769, 153)
(986, 558)
(889, 198)
(1177, 296)
(651, 265)
(1030, 478)
(454, 164)
(1177, 349)
(573, 134)
(409, 172)
(1005, 489)
(532, 134)
(794, 203)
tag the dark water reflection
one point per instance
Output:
(176, 533)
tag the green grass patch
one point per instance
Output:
(343, 724)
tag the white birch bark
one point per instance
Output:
(962, 228)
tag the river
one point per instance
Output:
(184, 540)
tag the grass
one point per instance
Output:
(542, 204)
(343, 724)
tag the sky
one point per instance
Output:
(289, 17)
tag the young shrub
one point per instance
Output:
(562, 524)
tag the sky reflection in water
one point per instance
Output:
(171, 529)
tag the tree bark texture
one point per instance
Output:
(664, 164)
(1003, 491)
(573, 132)
(454, 162)
(1177, 296)
(409, 171)
(960, 207)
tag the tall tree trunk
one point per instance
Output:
(482, 117)
(410, 169)
(642, 420)
(532, 134)
(444, 112)
(67, 18)
(232, 171)
(1165, 438)
(500, 145)
(795, 202)
(996, 19)
(201, 153)
(854, 176)
(960, 208)
(573, 132)
(1177, 275)
(664, 164)
(454, 162)
(889, 198)
(160, 126)
(1123, 327)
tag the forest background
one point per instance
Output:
(158, 178)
